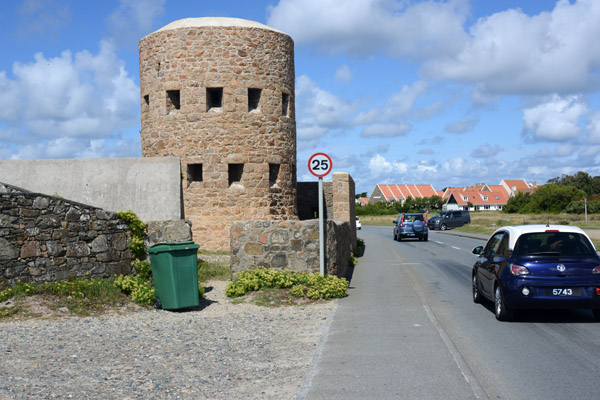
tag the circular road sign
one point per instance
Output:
(319, 164)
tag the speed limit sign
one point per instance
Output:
(319, 164)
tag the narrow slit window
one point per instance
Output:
(214, 98)
(194, 172)
(146, 103)
(173, 100)
(254, 99)
(285, 104)
(273, 174)
(235, 173)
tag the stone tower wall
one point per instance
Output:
(238, 155)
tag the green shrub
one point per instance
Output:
(139, 290)
(301, 285)
(138, 231)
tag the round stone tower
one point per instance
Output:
(219, 94)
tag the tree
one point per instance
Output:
(554, 198)
(520, 203)
(359, 195)
(581, 180)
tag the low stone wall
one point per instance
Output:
(290, 244)
(45, 238)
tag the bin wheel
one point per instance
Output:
(157, 304)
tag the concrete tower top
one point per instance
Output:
(216, 22)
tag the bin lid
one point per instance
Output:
(162, 247)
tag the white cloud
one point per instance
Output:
(511, 52)
(379, 166)
(319, 111)
(365, 27)
(343, 74)
(461, 126)
(508, 52)
(557, 119)
(134, 19)
(485, 151)
(386, 130)
(593, 127)
(53, 99)
(396, 107)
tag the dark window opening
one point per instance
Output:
(194, 172)
(147, 100)
(235, 173)
(173, 100)
(273, 174)
(214, 98)
(285, 103)
(253, 99)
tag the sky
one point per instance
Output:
(447, 93)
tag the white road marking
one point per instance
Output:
(457, 248)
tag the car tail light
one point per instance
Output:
(518, 270)
(596, 270)
(425, 220)
(598, 291)
(402, 222)
(552, 230)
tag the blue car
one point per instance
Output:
(535, 267)
(410, 225)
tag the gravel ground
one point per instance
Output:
(221, 351)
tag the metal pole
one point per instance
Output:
(585, 206)
(321, 230)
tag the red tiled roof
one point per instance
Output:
(401, 192)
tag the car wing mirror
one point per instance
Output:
(477, 250)
(394, 221)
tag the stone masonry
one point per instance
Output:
(45, 238)
(219, 94)
(292, 245)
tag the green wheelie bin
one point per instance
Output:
(175, 273)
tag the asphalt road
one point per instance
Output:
(410, 330)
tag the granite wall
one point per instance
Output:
(45, 238)
(292, 245)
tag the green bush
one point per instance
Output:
(301, 285)
(138, 231)
(578, 207)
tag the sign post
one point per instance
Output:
(319, 165)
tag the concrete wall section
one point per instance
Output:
(151, 187)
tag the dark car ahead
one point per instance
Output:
(443, 220)
(410, 225)
(537, 266)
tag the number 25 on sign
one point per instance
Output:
(319, 164)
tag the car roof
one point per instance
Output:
(517, 230)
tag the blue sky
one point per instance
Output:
(447, 93)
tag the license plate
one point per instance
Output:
(563, 292)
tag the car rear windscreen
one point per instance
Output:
(565, 244)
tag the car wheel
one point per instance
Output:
(503, 313)
(425, 238)
(596, 314)
(399, 238)
(157, 303)
(443, 227)
(476, 293)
